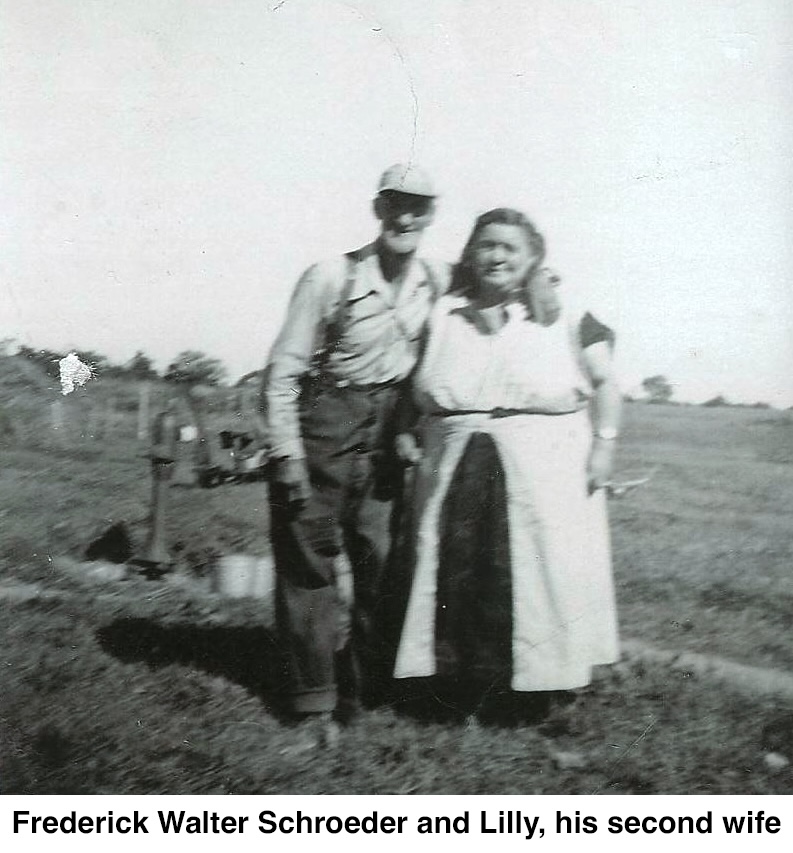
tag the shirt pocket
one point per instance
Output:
(366, 321)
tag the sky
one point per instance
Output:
(169, 167)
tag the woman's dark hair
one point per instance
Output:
(463, 280)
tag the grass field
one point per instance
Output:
(136, 686)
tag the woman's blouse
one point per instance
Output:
(471, 365)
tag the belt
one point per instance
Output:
(499, 412)
(346, 385)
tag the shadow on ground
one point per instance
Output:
(444, 700)
(248, 656)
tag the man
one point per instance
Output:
(351, 336)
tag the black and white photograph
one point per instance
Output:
(397, 399)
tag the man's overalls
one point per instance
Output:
(332, 646)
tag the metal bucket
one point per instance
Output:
(244, 576)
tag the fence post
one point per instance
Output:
(56, 414)
(144, 394)
(92, 429)
(110, 417)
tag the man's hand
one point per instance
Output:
(600, 464)
(545, 304)
(407, 449)
(292, 474)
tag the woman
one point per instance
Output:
(512, 586)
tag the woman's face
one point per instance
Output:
(501, 256)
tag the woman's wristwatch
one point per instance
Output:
(606, 433)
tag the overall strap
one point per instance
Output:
(334, 329)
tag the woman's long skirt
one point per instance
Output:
(512, 580)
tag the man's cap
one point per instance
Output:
(408, 179)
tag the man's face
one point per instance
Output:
(403, 218)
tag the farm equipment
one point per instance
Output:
(234, 454)
(246, 459)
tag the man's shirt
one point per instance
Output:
(380, 329)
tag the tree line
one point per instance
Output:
(659, 390)
(188, 367)
(197, 368)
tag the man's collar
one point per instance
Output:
(370, 276)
